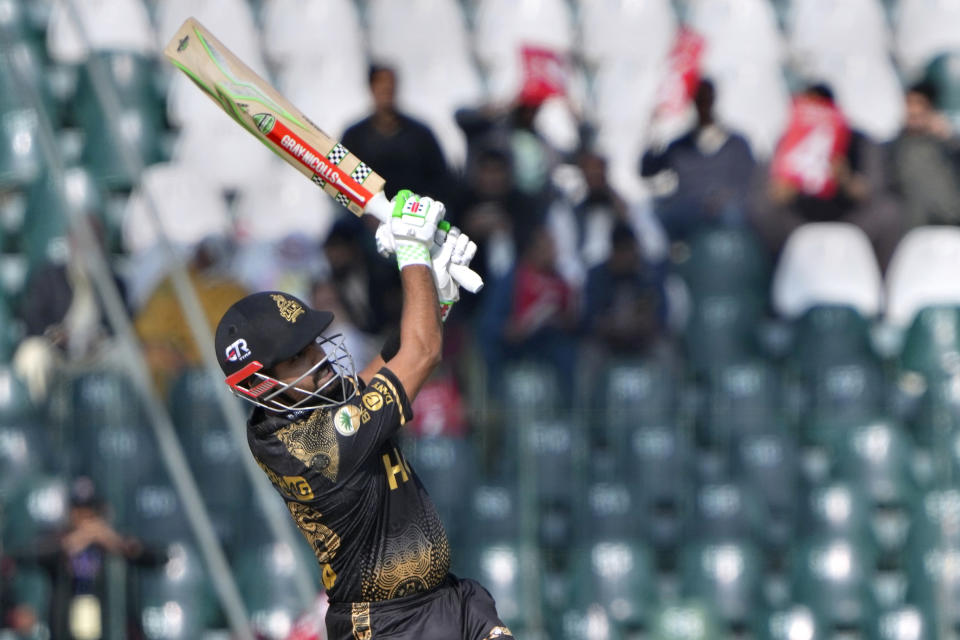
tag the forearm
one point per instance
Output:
(420, 330)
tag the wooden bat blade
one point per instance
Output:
(254, 104)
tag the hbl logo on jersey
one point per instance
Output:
(238, 351)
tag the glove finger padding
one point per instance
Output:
(414, 226)
(386, 245)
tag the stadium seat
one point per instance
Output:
(937, 416)
(660, 460)
(631, 393)
(37, 508)
(840, 396)
(153, 512)
(736, 30)
(905, 623)
(685, 620)
(726, 573)
(722, 330)
(740, 400)
(593, 622)
(726, 260)
(530, 390)
(727, 510)
(934, 584)
(931, 346)
(287, 24)
(793, 623)
(605, 509)
(23, 448)
(499, 568)
(122, 25)
(820, 31)
(618, 574)
(836, 508)
(924, 29)
(265, 576)
(625, 31)
(944, 72)
(493, 515)
(15, 404)
(920, 273)
(935, 520)
(190, 209)
(877, 456)
(20, 160)
(176, 600)
(827, 263)
(445, 465)
(769, 461)
(826, 335)
(833, 577)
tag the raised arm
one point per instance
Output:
(420, 330)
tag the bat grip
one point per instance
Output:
(381, 209)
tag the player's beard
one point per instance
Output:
(335, 385)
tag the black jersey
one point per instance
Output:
(375, 531)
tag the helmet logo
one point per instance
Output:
(238, 351)
(289, 309)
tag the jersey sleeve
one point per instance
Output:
(371, 418)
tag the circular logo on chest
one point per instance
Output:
(347, 420)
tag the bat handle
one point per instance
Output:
(381, 209)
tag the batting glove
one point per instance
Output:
(413, 226)
(456, 249)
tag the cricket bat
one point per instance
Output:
(260, 109)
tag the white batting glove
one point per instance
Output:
(456, 249)
(413, 226)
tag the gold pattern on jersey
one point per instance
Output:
(410, 562)
(360, 617)
(295, 487)
(389, 392)
(498, 632)
(289, 310)
(322, 539)
(314, 443)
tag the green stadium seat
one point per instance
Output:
(553, 451)
(792, 623)
(905, 623)
(935, 520)
(213, 453)
(659, 461)
(30, 586)
(722, 329)
(265, 577)
(841, 396)
(20, 159)
(931, 346)
(740, 400)
(833, 576)
(593, 623)
(176, 601)
(445, 465)
(15, 404)
(37, 508)
(837, 508)
(944, 72)
(727, 510)
(132, 77)
(529, 390)
(937, 416)
(770, 463)
(829, 335)
(105, 141)
(933, 584)
(619, 575)
(499, 568)
(23, 450)
(153, 512)
(631, 393)
(606, 509)
(726, 260)
(688, 620)
(492, 518)
(728, 574)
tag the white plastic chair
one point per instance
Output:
(633, 30)
(190, 209)
(738, 30)
(280, 204)
(923, 272)
(753, 100)
(925, 29)
(827, 263)
(122, 25)
(826, 29)
(869, 93)
(317, 31)
(307, 86)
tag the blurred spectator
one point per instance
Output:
(439, 409)
(63, 316)
(75, 559)
(511, 130)
(822, 171)
(624, 304)
(583, 233)
(704, 176)
(368, 287)
(925, 161)
(363, 347)
(404, 151)
(162, 325)
(542, 322)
